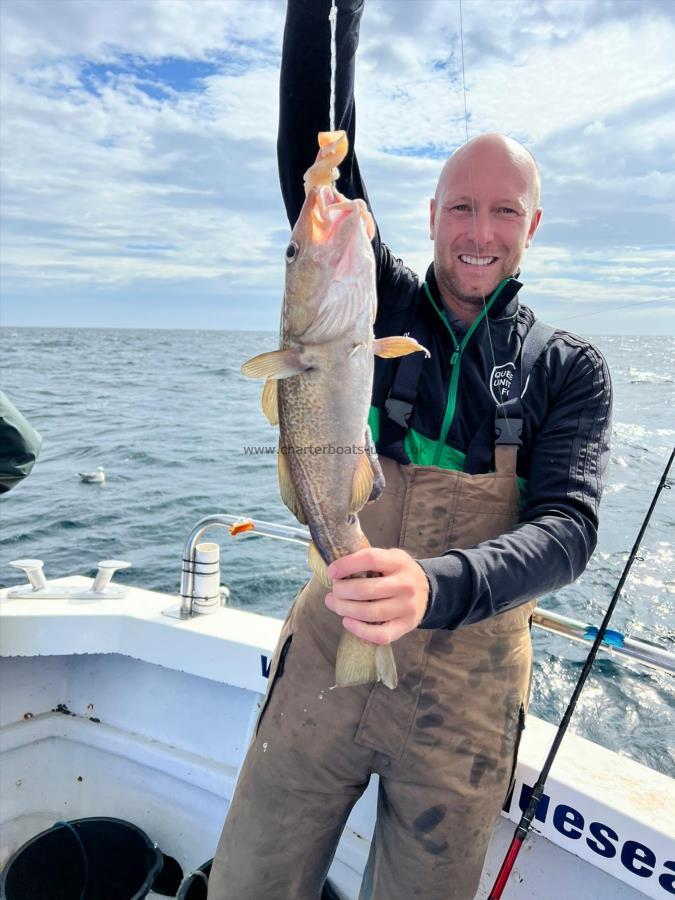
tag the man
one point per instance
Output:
(494, 450)
(19, 445)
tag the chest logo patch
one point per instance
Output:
(500, 381)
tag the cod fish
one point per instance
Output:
(318, 385)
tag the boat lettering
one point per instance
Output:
(604, 835)
(637, 858)
(265, 665)
(667, 881)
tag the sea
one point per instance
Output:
(180, 435)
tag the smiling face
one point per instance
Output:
(484, 214)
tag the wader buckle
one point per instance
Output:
(398, 410)
(508, 431)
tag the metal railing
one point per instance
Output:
(615, 644)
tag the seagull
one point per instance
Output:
(96, 477)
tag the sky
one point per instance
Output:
(139, 181)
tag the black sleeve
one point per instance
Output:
(305, 95)
(19, 445)
(304, 103)
(557, 532)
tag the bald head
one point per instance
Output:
(481, 220)
(493, 152)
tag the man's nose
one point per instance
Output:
(480, 228)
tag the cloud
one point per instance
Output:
(139, 144)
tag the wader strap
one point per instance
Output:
(506, 457)
(505, 427)
(403, 392)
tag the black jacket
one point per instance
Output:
(567, 404)
(19, 445)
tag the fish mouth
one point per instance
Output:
(331, 209)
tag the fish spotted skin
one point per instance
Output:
(323, 373)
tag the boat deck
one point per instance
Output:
(111, 708)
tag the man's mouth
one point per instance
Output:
(477, 260)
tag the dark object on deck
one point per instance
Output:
(329, 892)
(169, 879)
(84, 859)
(194, 885)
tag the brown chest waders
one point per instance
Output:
(443, 743)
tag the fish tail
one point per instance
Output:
(360, 662)
(385, 666)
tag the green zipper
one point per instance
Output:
(455, 361)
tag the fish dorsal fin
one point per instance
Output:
(317, 565)
(391, 347)
(287, 490)
(270, 401)
(362, 484)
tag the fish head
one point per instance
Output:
(330, 268)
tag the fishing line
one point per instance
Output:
(525, 823)
(500, 405)
(332, 18)
(599, 312)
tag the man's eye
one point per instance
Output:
(508, 210)
(461, 207)
(291, 251)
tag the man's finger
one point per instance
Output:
(374, 634)
(364, 589)
(372, 559)
(379, 611)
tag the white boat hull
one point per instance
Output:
(112, 709)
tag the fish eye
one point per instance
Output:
(291, 251)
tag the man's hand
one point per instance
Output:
(380, 609)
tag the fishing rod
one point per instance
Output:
(525, 823)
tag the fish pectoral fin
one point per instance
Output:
(317, 565)
(391, 347)
(287, 490)
(275, 364)
(362, 484)
(270, 401)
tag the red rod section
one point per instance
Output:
(505, 871)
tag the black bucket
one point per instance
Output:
(85, 859)
(194, 885)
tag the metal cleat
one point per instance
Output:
(41, 589)
(33, 570)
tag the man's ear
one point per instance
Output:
(432, 217)
(534, 224)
